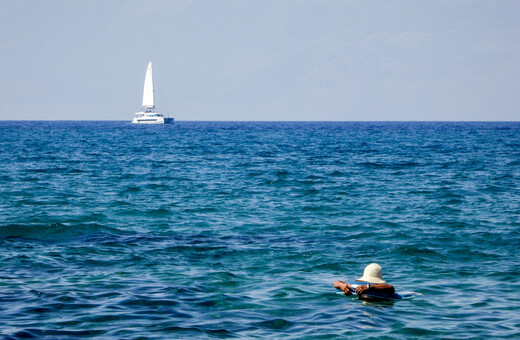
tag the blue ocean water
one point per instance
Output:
(222, 229)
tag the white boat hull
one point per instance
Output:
(151, 118)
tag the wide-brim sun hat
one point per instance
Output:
(372, 274)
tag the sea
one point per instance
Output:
(205, 230)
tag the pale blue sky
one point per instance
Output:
(262, 60)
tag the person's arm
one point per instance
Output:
(380, 288)
(345, 287)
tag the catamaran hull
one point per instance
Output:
(144, 121)
(153, 120)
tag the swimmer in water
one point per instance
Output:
(371, 282)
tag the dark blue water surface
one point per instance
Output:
(202, 229)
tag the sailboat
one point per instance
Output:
(148, 115)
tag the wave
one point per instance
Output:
(56, 232)
(32, 333)
(389, 165)
(277, 324)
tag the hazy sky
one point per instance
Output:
(262, 60)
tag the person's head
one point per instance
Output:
(372, 274)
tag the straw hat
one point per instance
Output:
(372, 274)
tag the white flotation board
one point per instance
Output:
(377, 296)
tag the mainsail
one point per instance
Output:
(148, 89)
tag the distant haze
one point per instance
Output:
(262, 60)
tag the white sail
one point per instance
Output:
(148, 89)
